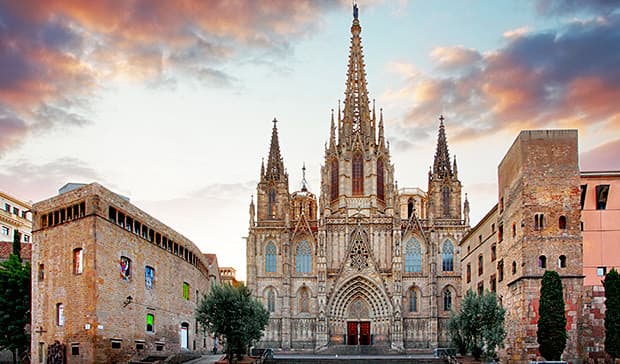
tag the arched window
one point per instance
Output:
(334, 187)
(447, 256)
(413, 300)
(409, 208)
(304, 300)
(562, 261)
(303, 257)
(270, 257)
(447, 300)
(413, 256)
(445, 201)
(271, 204)
(562, 222)
(542, 261)
(380, 180)
(358, 175)
(271, 300)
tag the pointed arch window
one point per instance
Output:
(380, 181)
(271, 300)
(271, 204)
(358, 175)
(303, 257)
(447, 300)
(270, 257)
(447, 256)
(304, 300)
(334, 178)
(413, 300)
(445, 201)
(413, 256)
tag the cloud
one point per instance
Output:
(30, 181)
(568, 7)
(562, 78)
(59, 54)
(451, 58)
(601, 158)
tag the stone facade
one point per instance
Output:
(112, 283)
(535, 227)
(15, 215)
(375, 266)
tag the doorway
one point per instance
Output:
(358, 333)
(184, 331)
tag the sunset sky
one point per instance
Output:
(170, 102)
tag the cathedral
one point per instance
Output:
(365, 263)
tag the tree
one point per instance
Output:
(552, 320)
(612, 313)
(15, 305)
(233, 313)
(479, 325)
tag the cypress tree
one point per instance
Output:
(612, 313)
(17, 245)
(552, 320)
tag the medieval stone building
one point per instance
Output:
(374, 265)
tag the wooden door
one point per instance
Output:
(352, 333)
(365, 333)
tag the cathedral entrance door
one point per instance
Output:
(358, 333)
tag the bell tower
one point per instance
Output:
(444, 187)
(272, 195)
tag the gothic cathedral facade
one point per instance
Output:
(366, 263)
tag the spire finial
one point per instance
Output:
(441, 118)
(355, 10)
(304, 183)
(274, 121)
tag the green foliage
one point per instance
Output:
(15, 305)
(235, 314)
(17, 245)
(552, 321)
(479, 325)
(612, 313)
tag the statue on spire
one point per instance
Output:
(355, 11)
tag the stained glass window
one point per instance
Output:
(271, 300)
(303, 257)
(380, 180)
(413, 256)
(413, 300)
(270, 257)
(447, 256)
(447, 300)
(358, 175)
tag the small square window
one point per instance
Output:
(159, 346)
(116, 343)
(5, 231)
(75, 349)
(601, 271)
(26, 238)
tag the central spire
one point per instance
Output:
(356, 118)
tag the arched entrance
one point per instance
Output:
(359, 313)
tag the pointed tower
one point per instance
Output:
(272, 193)
(357, 172)
(444, 187)
(357, 116)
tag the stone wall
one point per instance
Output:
(103, 308)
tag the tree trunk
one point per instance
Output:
(14, 351)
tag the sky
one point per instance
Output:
(170, 102)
